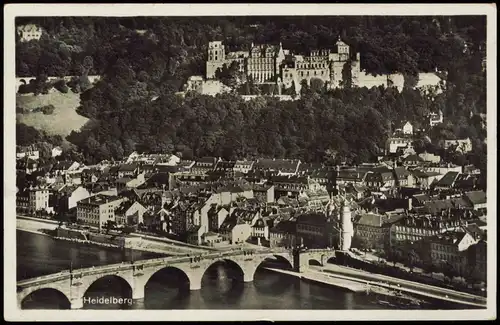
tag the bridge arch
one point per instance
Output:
(86, 285)
(232, 261)
(48, 299)
(23, 294)
(314, 261)
(182, 269)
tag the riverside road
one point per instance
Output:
(404, 285)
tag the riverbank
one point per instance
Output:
(149, 244)
(352, 285)
(40, 227)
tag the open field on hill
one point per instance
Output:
(64, 119)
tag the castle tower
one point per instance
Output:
(342, 50)
(347, 228)
(356, 70)
(216, 58)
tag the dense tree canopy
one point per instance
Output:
(145, 60)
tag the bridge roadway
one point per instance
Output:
(411, 287)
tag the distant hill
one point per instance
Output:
(64, 119)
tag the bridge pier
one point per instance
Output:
(248, 276)
(77, 303)
(195, 281)
(138, 292)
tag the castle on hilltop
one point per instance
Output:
(273, 64)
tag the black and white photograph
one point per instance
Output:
(254, 160)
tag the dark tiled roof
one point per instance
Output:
(284, 165)
(289, 179)
(448, 179)
(99, 199)
(63, 165)
(113, 170)
(124, 180)
(127, 167)
(284, 226)
(315, 219)
(413, 158)
(476, 197)
(123, 207)
(401, 172)
(158, 178)
(370, 219)
(449, 237)
(223, 164)
(422, 198)
(261, 188)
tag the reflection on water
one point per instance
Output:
(109, 292)
(46, 299)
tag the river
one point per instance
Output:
(167, 289)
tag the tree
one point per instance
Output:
(128, 230)
(449, 271)
(88, 64)
(110, 225)
(361, 243)
(347, 74)
(317, 85)
(429, 268)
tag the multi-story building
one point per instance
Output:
(263, 63)
(368, 228)
(460, 145)
(407, 128)
(314, 231)
(449, 250)
(31, 153)
(243, 166)
(205, 165)
(97, 210)
(29, 32)
(281, 167)
(39, 199)
(66, 197)
(476, 260)
(129, 213)
(283, 234)
(380, 178)
(265, 193)
(435, 118)
(270, 64)
(225, 168)
(394, 144)
(476, 199)
(326, 65)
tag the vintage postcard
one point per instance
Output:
(250, 162)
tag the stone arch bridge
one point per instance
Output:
(26, 80)
(74, 284)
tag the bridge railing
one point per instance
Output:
(318, 250)
(127, 265)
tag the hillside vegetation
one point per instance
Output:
(350, 124)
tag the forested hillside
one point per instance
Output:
(145, 57)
